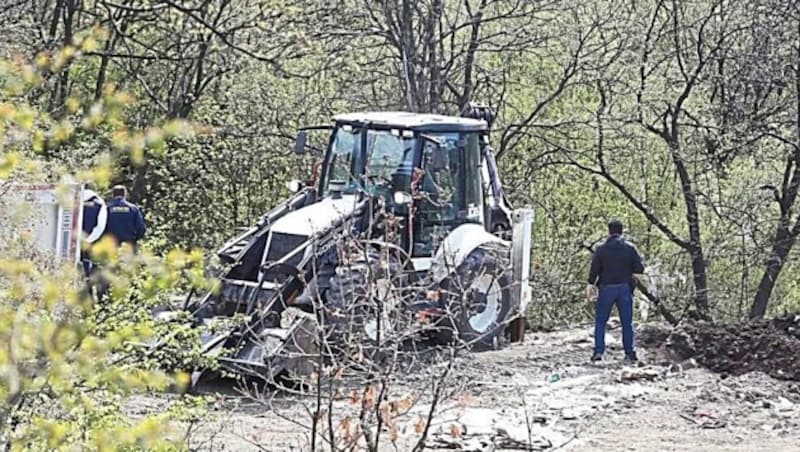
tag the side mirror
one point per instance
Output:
(295, 185)
(300, 142)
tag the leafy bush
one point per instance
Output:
(70, 364)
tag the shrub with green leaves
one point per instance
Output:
(69, 363)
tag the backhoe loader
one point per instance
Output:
(404, 219)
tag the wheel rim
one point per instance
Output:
(489, 286)
(386, 292)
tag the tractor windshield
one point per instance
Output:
(387, 154)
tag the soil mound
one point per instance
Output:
(769, 346)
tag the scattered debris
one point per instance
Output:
(471, 444)
(501, 438)
(484, 429)
(638, 373)
(782, 405)
(519, 439)
(576, 413)
(704, 418)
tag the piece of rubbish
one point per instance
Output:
(705, 419)
(638, 373)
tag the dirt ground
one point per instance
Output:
(544, 395)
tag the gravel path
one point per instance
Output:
(543, 395)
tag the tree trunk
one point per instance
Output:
(785, 235)
(700, 280)
(782, 244)
(105, 59)
(432, 36)
(695, 248)
(100, 83)
(138, 192)
(409, 55)
(63, 81)
(469, 63)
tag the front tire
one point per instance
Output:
(366, 297)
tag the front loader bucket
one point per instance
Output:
(275, 352)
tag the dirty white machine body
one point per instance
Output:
(422, 189)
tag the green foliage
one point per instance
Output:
(70, 364)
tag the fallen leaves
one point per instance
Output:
(401, 405)
(419, 426)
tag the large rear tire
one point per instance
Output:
(478, 300)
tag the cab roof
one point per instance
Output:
(421, 122)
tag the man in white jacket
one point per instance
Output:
(95, 216)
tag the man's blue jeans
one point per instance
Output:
(622, 296)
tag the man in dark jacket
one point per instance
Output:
(613, 265)
(125, 220)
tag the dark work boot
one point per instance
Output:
(631, 358)
(597, 357)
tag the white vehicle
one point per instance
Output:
(51, 216)
(422, 197)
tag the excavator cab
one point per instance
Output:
(433, 171)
